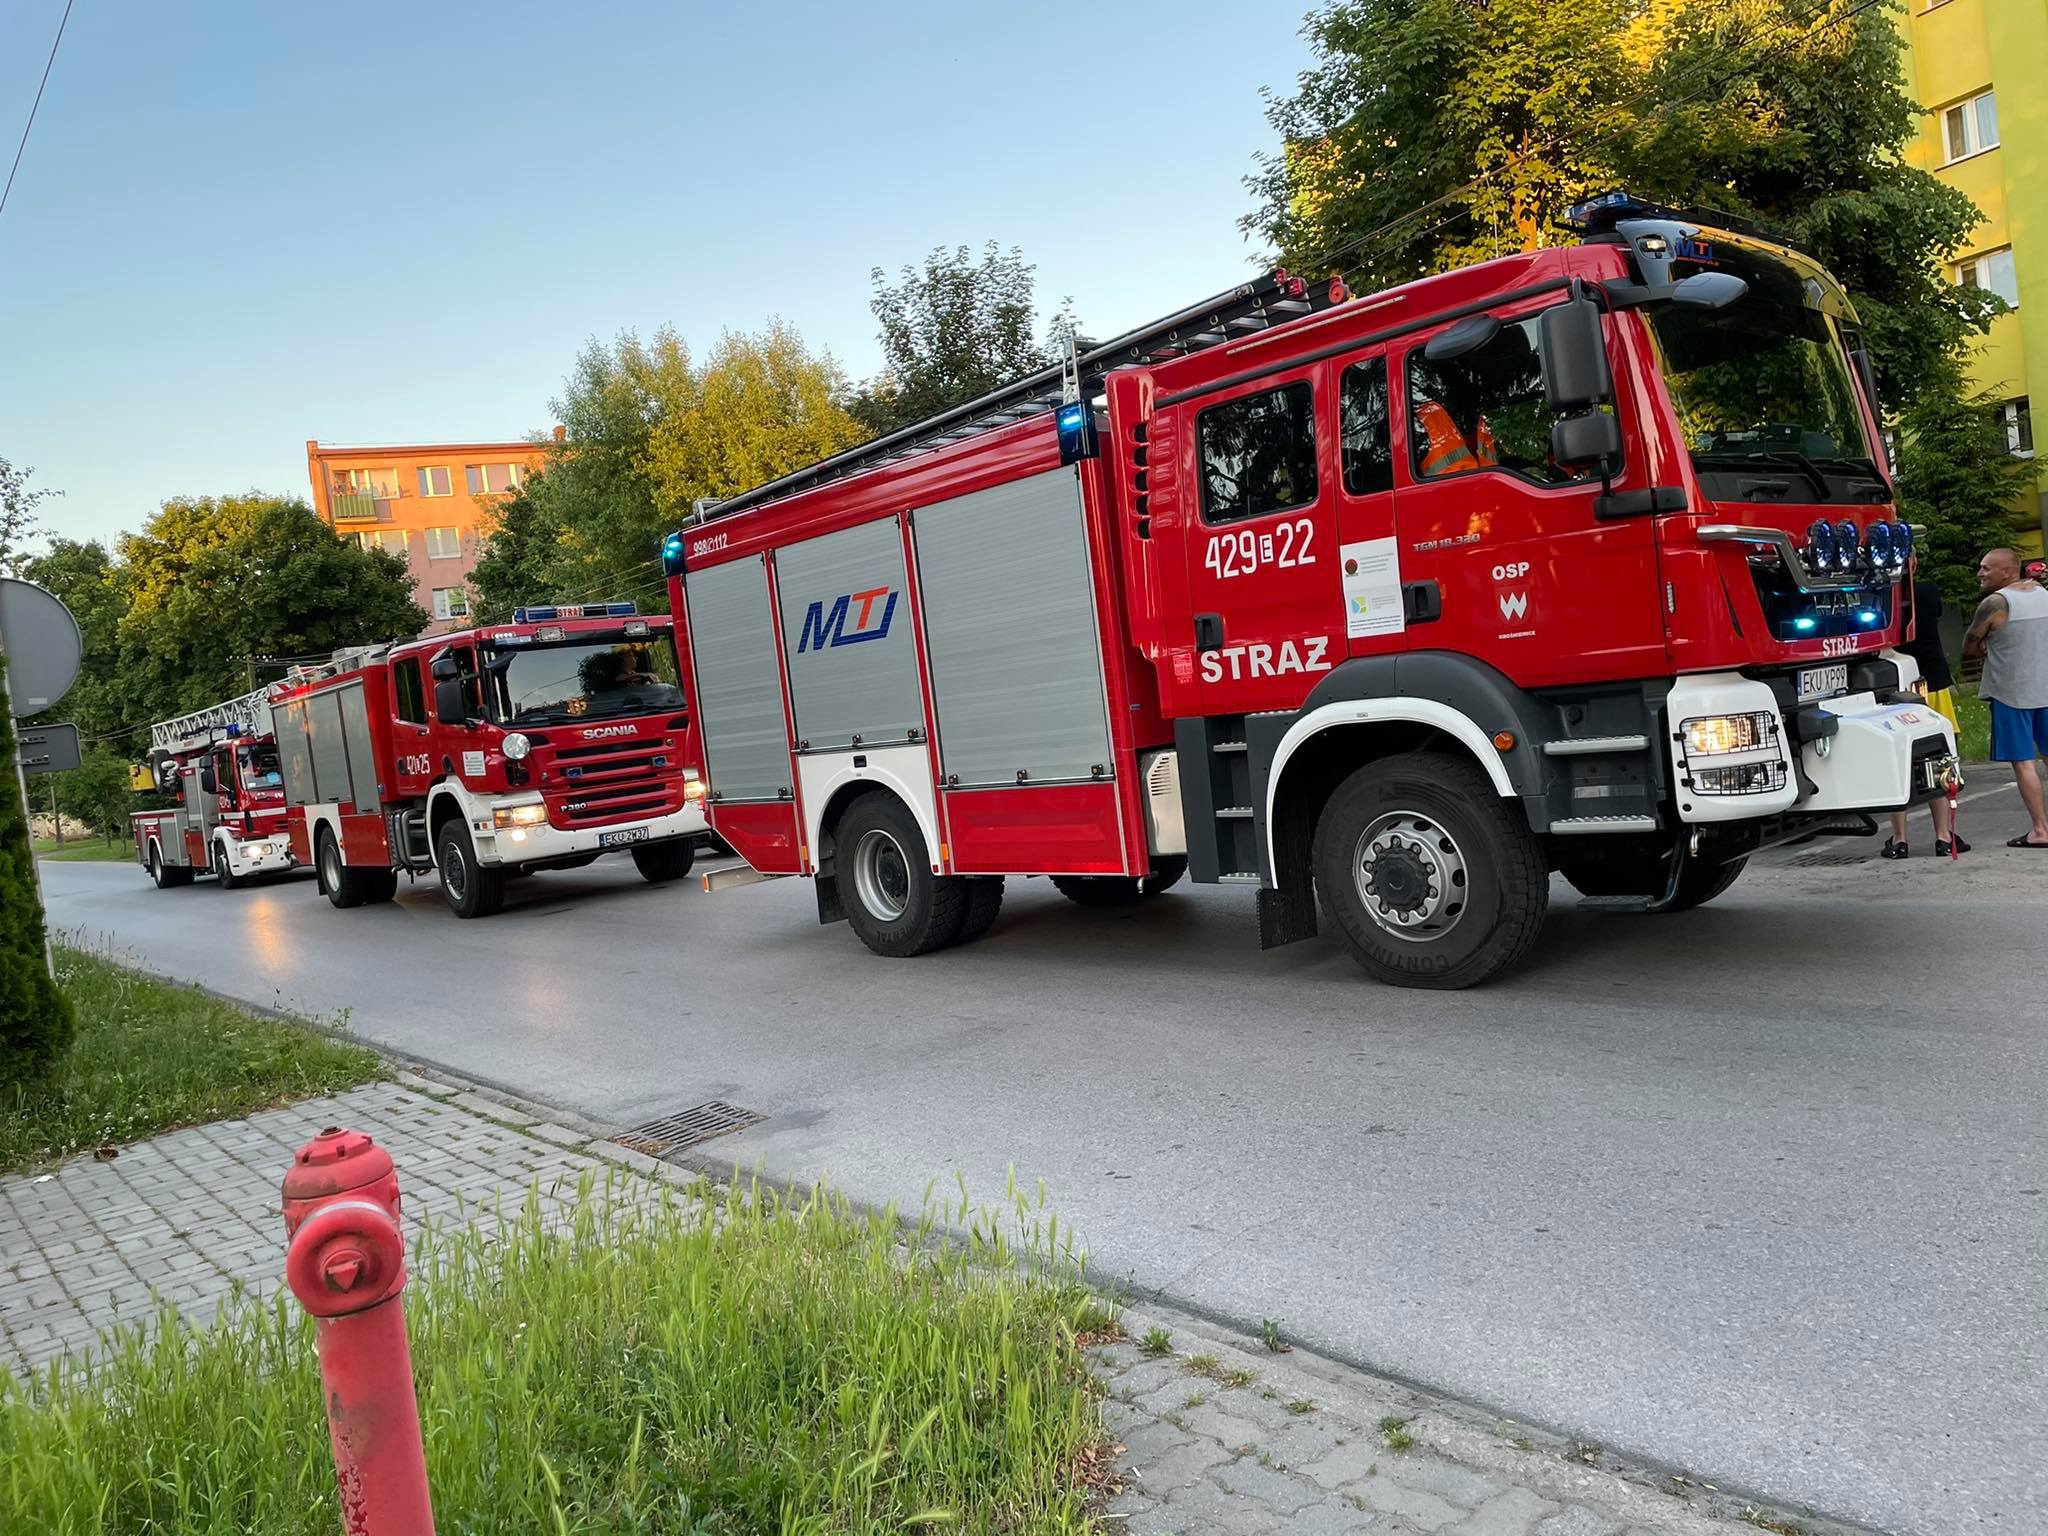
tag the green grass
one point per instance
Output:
(1973, 723)
(152, 1055)
(91, 850)
(729, 1362)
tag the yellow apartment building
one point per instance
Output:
(1979, 69)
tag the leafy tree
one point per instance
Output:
(647, 432)
(1435, 133)
(36, 1023)
(83, 575)
(18, 522)
(958, 328)
(97, 792)
(1958, 476)
(212, 579)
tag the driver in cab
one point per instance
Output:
(1450, 425)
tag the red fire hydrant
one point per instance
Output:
(346, 1264)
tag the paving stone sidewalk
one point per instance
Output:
(1217, 1436)
(1222, 1437)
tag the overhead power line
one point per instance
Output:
(33, 105)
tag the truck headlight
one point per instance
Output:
(515, 746)
(518, 816)
(1718, 735)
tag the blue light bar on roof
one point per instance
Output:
(1598, 213)
(575, 611)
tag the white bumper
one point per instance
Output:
(268, 855)
(1869, 763)
(528, 845)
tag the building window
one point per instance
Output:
(1258, 454)
(451, 603)
(444, 543)
(434, 480)
(381, 483)
(1970, 126)
(2018, 419)
(1992, 272)
(392, 539)
(488, 479)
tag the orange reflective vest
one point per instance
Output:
(1448, 452)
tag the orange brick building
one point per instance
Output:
(433, 503)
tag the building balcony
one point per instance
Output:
(353, 506)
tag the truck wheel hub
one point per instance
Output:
(881, 875)
(1411, 876)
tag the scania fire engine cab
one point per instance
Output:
(1583, 560)
(219, 765)
(492, 753)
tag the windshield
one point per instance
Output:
(260, 769)
(1764, 384)
(599, 680)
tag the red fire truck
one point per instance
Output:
(220, 766)
(1579, 560)
(496, 752)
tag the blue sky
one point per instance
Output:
(240, 226)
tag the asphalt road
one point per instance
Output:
(1756, 1191)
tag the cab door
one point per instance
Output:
(415, 770)
(1261, 546)
(1368, 551)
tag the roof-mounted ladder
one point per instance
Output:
(1273, 299)
(251, 712)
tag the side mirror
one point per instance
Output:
(1575, 372)
(1581, 442)
(445, 668)
(449, 706)
(1709, 290)
(207, 782)
(1467, 336)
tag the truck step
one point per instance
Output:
(716, 880)
(1567, 825)
(1233, 812)
(1577, 746)
(1226, 746)
(1241, 877)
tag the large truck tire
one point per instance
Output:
(1645, 875)
(887, 889)
(1433, 878)
(165, 875)
(984, 903)
(224, 869)
(1121, 890)
(346, 887)
(469, 888)
(659, 863)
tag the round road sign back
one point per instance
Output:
(42, 643)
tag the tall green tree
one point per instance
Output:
(36, 1024)
(954, 329)
(18, 520)
(1432, 133)
(211, 579)
(647, 431)
(1958, 477)
(84, 576)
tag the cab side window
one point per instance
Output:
(1484, 410)
(411, 697)
(1367, 433)
(472, 691)
(1258, 454)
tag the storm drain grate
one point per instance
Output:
(685, 1128)
(1826, 860)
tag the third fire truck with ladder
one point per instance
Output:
(219, 767)
(1386, 606)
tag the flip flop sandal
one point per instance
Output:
(2021, 842)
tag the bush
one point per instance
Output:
(35, 1018)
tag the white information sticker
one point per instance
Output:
(472, 762)
(1372, 588)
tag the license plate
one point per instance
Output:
(1823, 682)
(620, 839)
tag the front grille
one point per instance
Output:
(601, 782)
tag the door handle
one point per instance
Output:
(1208, 631)
(1422, 601)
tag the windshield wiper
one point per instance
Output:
(1798, 461)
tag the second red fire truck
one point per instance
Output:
(496, 752)
(1580, 560)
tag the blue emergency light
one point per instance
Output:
(672, 553)
(1077, 432)
(575, 611)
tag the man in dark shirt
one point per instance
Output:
(1937, 678)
